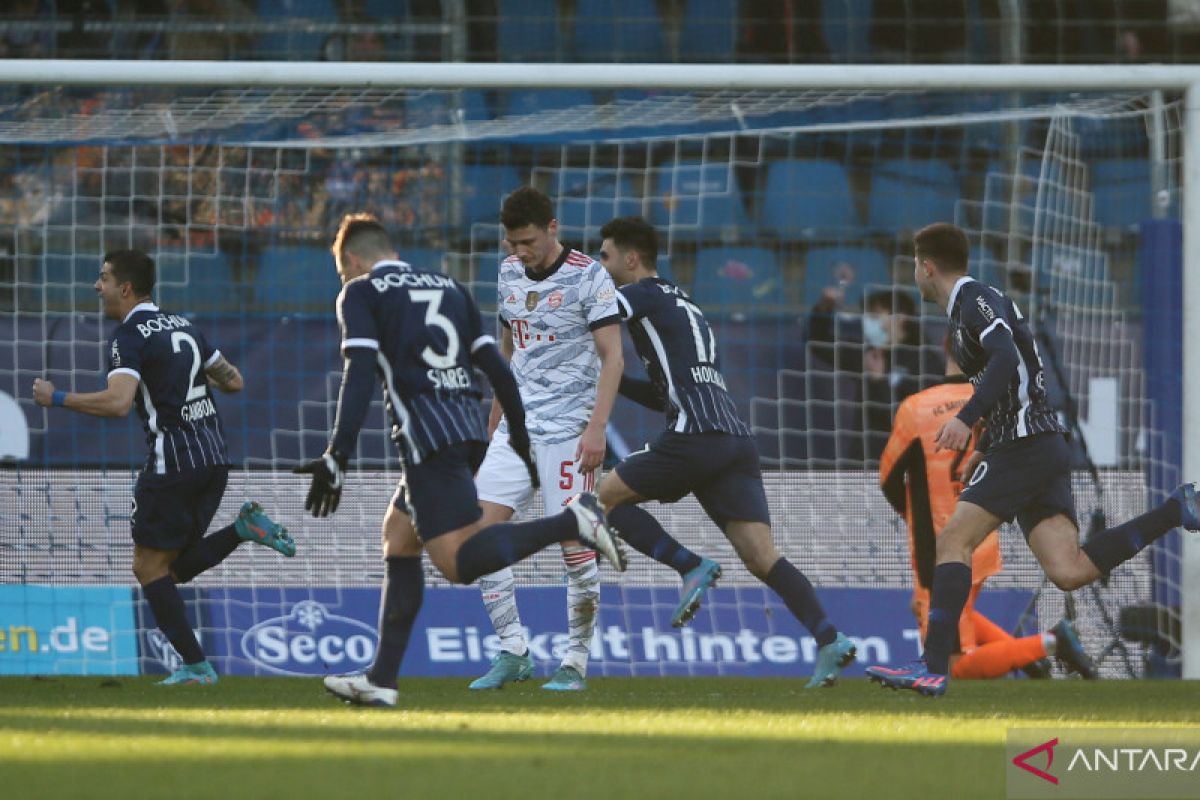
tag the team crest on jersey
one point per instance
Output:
(554, 300)
(531, 301)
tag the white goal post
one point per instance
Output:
(1184, 79)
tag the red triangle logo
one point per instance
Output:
(1022, 760)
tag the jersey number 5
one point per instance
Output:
(435, 319)
(194, 390)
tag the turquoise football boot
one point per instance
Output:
(506, 668)
(566, 679)
(201, 674)
(254, 525)
(831, 660)
(696, 582)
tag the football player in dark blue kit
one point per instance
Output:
(706, 450)
(162, 364)
(1021, 467)
(419, 333)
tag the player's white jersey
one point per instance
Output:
(551, 319)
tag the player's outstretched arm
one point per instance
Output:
(508, 396)
(114, 401)
(224, 375)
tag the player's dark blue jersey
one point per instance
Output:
(168, 355)
(424, 327)
(679, 350)
(977, 312)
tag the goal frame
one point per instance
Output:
(948, 77)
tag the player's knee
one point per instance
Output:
(760, 561)
(1067, 579)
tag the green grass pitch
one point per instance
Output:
(744, 739)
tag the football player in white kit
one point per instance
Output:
(562, 337)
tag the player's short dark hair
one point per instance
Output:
(135, 268)
(944, 244)
(893, 302)
(634, 233)
(362, 234)
(526, 206)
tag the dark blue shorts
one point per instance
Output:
(1028, 479)
(720, 469)
(172, 511)
(439, 493)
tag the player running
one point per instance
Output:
(1022, 467)
(562, 337)
(922, 484)
(419, 334)
(706, 450)
(162, 364)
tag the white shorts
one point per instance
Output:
(503, 479)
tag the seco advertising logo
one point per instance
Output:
(309, 640)
(1103, 763)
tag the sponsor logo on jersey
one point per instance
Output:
(554, 300)
(115, 354)
(309, 640)
(985, 309)
(531, 301)
(511, 300)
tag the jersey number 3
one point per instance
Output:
(435, 319)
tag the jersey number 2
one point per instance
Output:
(194, 390)
(435, 319)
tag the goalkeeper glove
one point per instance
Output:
(328, 474)
(518, 440)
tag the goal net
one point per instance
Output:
(785, 214)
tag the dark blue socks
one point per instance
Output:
(205, 554)
(1115, 546)
(171, 616)
(947, 598)
(798, 595)
(646, 535)
(403, 590)
(504, 544)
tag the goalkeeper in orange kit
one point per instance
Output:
(923, 484)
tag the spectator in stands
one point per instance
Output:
(882, 345)
(781, 32)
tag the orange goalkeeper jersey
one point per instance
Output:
(923, 485)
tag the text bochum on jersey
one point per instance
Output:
(168, 356)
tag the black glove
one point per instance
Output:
(328, 474)
(518, 440)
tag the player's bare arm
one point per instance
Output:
(114, 401)
(590, 453)
(504, 340)
(224, 375)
